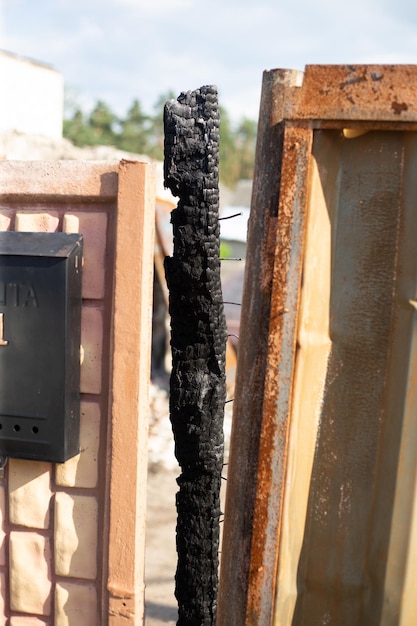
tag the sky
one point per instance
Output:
(120, 50)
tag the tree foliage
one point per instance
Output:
(142, 133)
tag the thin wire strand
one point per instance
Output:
(229, 217)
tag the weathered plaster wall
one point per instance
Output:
(32, 97)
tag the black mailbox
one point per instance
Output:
(40, 327)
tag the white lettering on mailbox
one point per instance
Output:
(3, 342)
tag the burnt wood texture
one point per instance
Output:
(198, 344)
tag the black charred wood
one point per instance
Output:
(198, 343)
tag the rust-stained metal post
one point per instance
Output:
(198, 341)
(247, 569)
(320, 520)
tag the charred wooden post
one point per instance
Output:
(198, 342)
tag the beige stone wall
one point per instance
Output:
(72, 534)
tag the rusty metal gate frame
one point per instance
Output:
(347, 98)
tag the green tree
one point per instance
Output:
(229, 167)
(102, 122)
(144, 134)
(156, 128)
(134, 135)
(77, 130)
(246, 144)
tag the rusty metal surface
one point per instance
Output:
(236, 563)
(319, 522)
(383, 93)
(271, 470)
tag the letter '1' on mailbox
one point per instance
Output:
(40, 327)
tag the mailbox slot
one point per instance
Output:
(40, 327)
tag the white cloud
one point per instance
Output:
(157, 6)
(118, 50)
(89, 30)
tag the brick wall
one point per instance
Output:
(72, 535)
